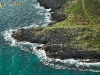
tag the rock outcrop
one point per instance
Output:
(58, 42)
(29, 35)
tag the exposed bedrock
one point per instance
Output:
(58, 17)
(67, 52)
(58, 43)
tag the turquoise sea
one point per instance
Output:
(22, 58)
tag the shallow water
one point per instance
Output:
(22, 58)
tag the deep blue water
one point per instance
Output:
(22, 58)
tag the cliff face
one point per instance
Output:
(74, 32)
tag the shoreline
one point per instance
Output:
(55, 40)
(55, 9)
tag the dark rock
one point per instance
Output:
(51, 24)
(43, 40)
(58, 17)
(28, 35)
(50, 4)
(39, 48)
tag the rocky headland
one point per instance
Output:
(78, 42)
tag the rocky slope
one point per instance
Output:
(62, 43)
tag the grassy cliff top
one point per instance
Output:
(82, 14)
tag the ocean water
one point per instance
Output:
(22, 58)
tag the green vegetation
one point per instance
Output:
(88, 38)
(83, 36)
(84, 15)
(83, 12)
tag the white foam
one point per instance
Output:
(40, 53)
(7, 36)
(48, 16)
(12, 42)
(72, 64)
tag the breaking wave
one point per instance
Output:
(69, 64)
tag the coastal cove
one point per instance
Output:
(64, 42)
(49, 37)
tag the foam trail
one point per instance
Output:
(54, 63)
(40, 53)
(45, 12)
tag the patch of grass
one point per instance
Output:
(83, 36)
(79, 14)
(89, 39)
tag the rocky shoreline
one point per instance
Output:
(55, 7)
(58, 42)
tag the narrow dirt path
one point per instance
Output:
(83, 5)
